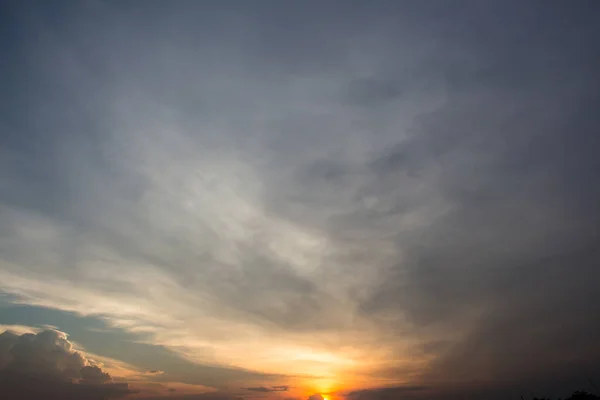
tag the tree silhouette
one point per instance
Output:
(577, 395)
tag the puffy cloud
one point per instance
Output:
(45, 364)
(47, 353)
(93, 374)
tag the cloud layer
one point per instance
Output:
(395, 194)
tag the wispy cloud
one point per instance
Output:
(395, 194)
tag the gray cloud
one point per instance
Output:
(205, 396)
(266, 389)
(406, 392)
(46, 353)
(513, 259)
(94, 374)
(510, 262)
(372, 93)
(425, 174)
(45, 364)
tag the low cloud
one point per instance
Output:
(45, 365)
(205, 396)
(264, 389)
(404, 392)
(155, 372)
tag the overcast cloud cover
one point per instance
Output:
(315, 196)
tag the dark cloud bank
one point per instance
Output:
(45, 365)
(521, 244)
(515, 264)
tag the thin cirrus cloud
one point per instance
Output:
(393, 195)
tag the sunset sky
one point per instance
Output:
(339, 200)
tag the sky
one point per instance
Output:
(339, 200)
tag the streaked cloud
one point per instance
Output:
(392, 199)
